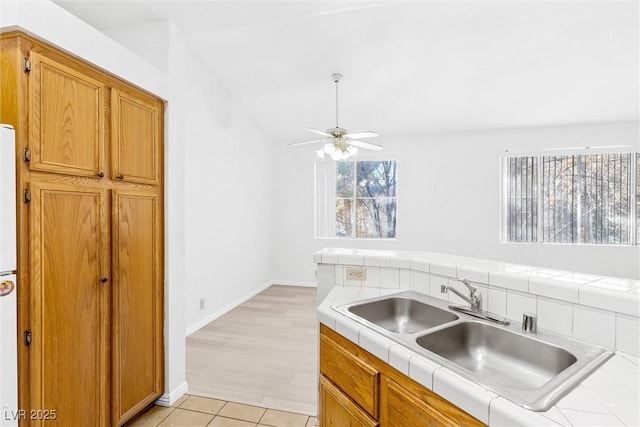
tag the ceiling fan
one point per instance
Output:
(339, 143)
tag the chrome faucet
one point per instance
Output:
(474, 299)
(475, 303)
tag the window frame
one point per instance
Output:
(634, 191)
(325, 198)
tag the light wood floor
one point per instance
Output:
(263, 352)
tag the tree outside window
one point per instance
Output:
(366, 199)
(581, 198)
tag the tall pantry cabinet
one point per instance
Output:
(90, 226)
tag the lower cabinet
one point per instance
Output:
(358, 389)
(96, 340)
(136, 301)
(69, 336)
(340, 411)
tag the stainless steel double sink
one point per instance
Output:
(532, 370)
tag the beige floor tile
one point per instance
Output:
(219, 421)
(179, 401)
(290, 406)
(313, 422)
(151, 417)
(283, 419)
(232, 395)
(183, 418)
(242, 412)
(203, 404)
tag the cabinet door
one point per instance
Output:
(361, 383)
(68, 255)
(337, 410)
(400, 407)
(136, 135)
(137, 301)
(66, 115)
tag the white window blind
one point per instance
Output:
(579, 198)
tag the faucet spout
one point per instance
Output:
(474, 299)
(457, 292)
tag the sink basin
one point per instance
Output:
(531, 370)
(402, 315)
(498, 355)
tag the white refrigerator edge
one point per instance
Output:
(8, 291)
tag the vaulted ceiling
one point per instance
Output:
(409, 67)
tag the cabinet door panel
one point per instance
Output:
(69, 304)
(401, 407)
(337, 410)
(137, 302)
(66, 115)
(361, 383)
(135, 126)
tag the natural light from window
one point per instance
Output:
(575, 198)
(356, 199)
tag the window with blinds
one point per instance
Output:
(582, 198)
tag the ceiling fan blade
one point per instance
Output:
(319, 132)
(293, 144)
(365, 134)
(367, 145)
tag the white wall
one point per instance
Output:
(47, 21)
(228, 198)
(218, 167)
(448, 200)
(227, 178)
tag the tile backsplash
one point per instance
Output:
(595, 309)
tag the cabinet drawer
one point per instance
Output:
(352, 375)
(408, 405)
(337, 410)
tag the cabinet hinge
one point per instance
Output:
(27, 65)
(27, 337)
(26, 195)
(26, 154)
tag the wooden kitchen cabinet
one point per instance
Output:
(402, 406)
(398, 400)
(68, 360)
(135, 127)
(66, 118)
(137, 301)
(338, 410)
(362, 382)
(90, 243)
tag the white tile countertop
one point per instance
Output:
(608, 397)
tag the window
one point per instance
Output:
(581, 198)
(356, 199)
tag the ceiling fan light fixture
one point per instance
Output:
(339, 143)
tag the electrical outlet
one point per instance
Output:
(202, 304)
(356, 273)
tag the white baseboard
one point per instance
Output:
(213, 316)
(294, 283)
(172, 397)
